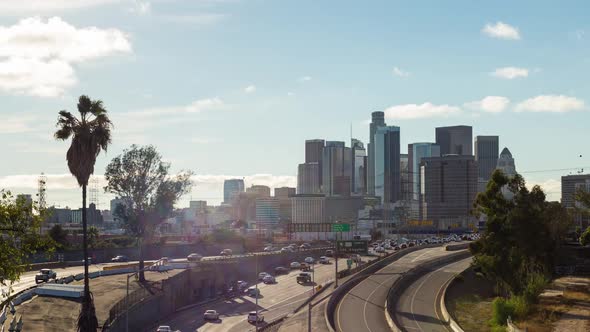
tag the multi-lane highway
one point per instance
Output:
(417, 307)
(276, 301)
(363, 307)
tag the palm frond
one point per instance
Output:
(84, 107)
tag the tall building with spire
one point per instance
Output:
(507, 166)
(359, 166)
(377, 120)
(387, 164)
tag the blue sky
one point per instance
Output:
(234, 87)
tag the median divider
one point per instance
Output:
(412, 275)
(361, 275)
(459, 246)
(445, 313)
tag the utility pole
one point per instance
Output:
(336, 262)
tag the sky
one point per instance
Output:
(233, 88)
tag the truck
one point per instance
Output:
(45, 275)
(304, 278)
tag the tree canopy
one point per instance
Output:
(59, 235)
(521, 235)
(19, 235)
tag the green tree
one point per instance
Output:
(59, 235)
(90, 134)
(585, 237)
(521, 233)
(19, 235)
(93, 237)
(142, 178)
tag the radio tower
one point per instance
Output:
(94, 191)
(42, 187)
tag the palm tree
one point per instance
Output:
(90, 134)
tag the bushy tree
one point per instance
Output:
(585, 237)
(19, 235)
(59, 235)
(522, 233)
(142, 179)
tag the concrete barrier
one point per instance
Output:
(69, 279)
(93, 275)
(3, 315)
(459, 246)
(79, 276)
(413, 274)
(445, 313)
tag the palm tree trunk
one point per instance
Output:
(141, 262)
(85, 245)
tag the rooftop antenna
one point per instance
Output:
(42, 184)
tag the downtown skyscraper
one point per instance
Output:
(377, 120)
(336, 169)
(455, 140)
(486, 155)
(387, 170)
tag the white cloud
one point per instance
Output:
(250, 89)
(16, 124)
(141, 7)
(304, 79)
(550, 103)
(501, 30)
(491, 104)
(23, 7)
(510, 72)
(419, 111)
(36, 56)
(194, 107)
(400, 72)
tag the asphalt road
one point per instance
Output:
(417, 308)
(363, 307)
(276, 300)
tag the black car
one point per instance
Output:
(281, 270)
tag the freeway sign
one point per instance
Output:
(340, 227)
(352, 247)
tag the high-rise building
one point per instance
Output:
(377, 120)
(486, 155)
(570, 184)
(507, 166)
(387, 164)
(267, 211)
(231, 188)
(308, 209)
(308, 180)
(359, 156)
(314, 153)
(198, 205)
(260, 191)
(417, 151)
(448, 189)
(405, 179)
(336, 169)
(455, 140)
(284, 192)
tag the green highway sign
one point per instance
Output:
(352, 246)
(340, 227)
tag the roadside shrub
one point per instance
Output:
(521, 306)
(534, 287)
(501, 309)
(459, 277)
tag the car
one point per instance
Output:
(303, 247)
(268, 279)
(304, 278)
(194, 257)
(403, 246)
(242, 284)
(255, 317)
(120, 259)
(281, 270)
(252, 291)
(269, 249)
(304, 267)
(411, 244)
(309, 260)
(226, 252)
(324, 260)
(396, 248)
(211, 315)
(380, 249)
(295, 265)
(261, 275)
(45, 275)
(330, 253)
(387, 246)
(164, 328)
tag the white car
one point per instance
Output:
(295, 265)
(380, 249)
(164, 328)
(211, 315)
(268, 279)
(261, 275)
(194, 257)
(324, 260)
(309, 260)
(255, 317)
(387, 246)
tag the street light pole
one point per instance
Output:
(312, 292)
(256, 263)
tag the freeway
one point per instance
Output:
(363, 307)
(417, 308)
(276, 300)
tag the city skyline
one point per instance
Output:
(214, 115)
